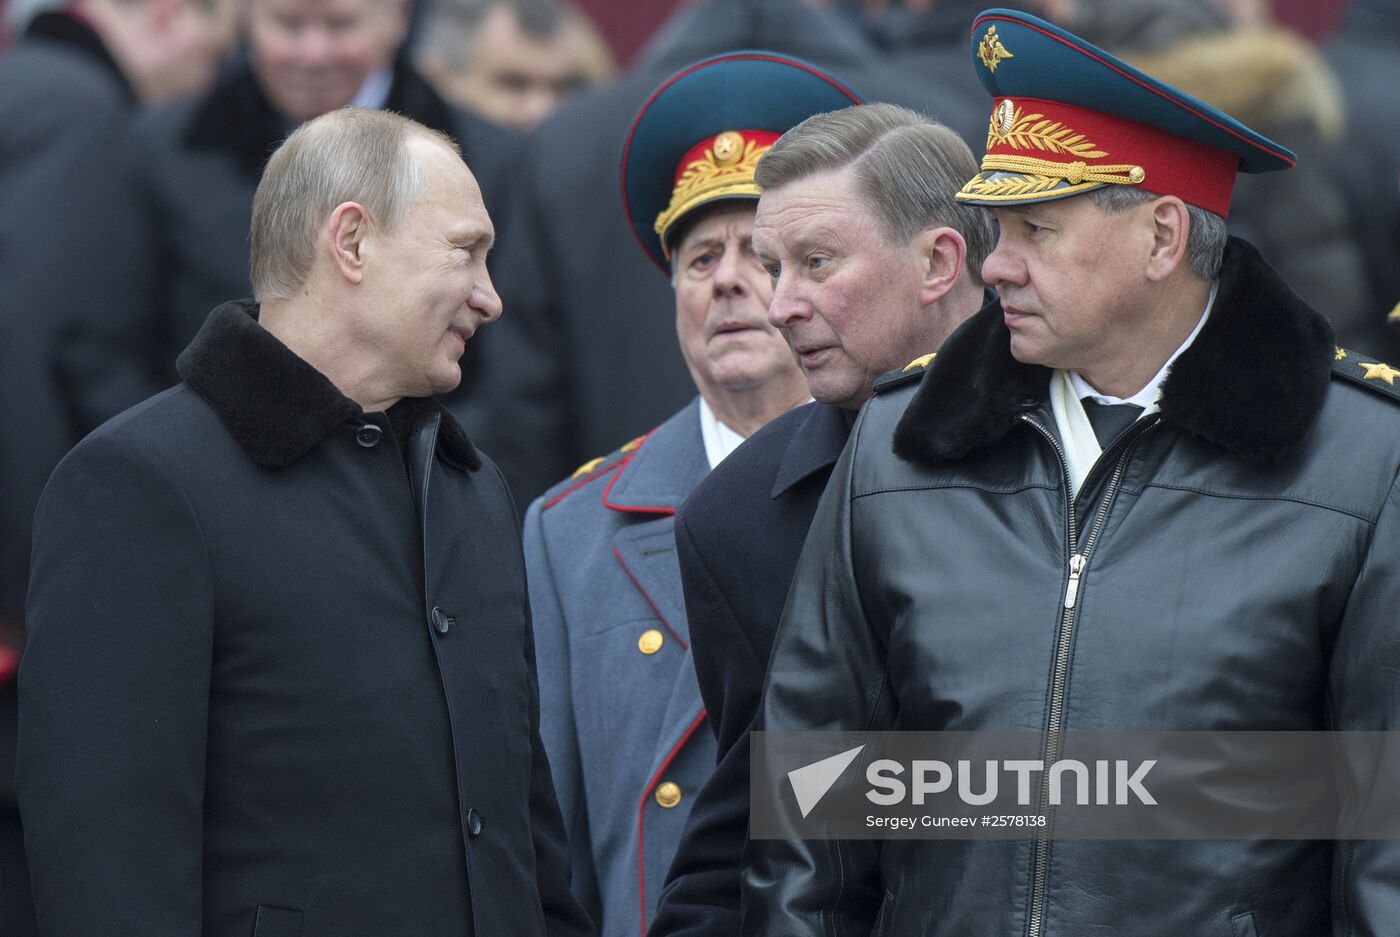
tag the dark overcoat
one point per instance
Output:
(280, 678)
(738, 537)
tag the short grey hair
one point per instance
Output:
(353, 154)
(1205, 244)
(909, 167)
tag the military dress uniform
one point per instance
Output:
(621, 713)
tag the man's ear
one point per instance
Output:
(347, 237)
(1171, 231)
(942, 259)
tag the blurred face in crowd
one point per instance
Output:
(1071, 279)
(312, 56)
(846, 299)
(722, 294)
(166, 48)
(513, 79)
(428, 287)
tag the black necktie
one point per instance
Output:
(1109, 419)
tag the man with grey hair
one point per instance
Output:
(1145, 491)
(281, 677)
(872, 262)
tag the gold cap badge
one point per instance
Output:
(717, 167)
(991, 51)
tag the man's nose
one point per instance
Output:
(787, 307)
(485, 300)
(728, 275)
(1001, 266)
(313, 47)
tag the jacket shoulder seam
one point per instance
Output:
(1239, 496)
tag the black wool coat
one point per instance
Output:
(738, 538)
(280, 678)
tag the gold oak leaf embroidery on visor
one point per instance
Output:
(713, 174)
(1035, 131)
(1034, 175)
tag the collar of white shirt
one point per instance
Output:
(719, 439)
(374, 93)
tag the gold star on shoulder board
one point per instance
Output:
(1340, 354)
(1393, 317)
(587, 467)
(920, 362)
(1380, 372)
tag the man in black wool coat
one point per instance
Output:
(280, 678)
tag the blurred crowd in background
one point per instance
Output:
(133, 132)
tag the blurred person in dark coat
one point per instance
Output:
(280, 677)
(1366, 57)
(587, 356)
(68, 89)
(620, 712)
(195, 165)
(510, 61)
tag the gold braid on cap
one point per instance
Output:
(1020, 131)
(724, 170)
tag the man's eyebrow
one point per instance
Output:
(474, 236)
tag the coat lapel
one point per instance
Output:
(660, 473)
(814, 447)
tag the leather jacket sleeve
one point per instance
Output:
(827, 673)
(1364, 695)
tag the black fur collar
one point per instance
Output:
(235, 116)
(279, 407)
(1252, 382)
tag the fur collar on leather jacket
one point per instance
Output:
(1252, 382)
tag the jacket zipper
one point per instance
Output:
(1078, 563)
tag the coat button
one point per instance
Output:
(473, 823)
(668, 794)
(440, 620)
(650, 642)
(368, 435)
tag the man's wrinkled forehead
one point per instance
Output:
(808, 211)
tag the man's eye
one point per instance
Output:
(774, 271)
(817, 262)
(704, 260)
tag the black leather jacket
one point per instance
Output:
(1241, 571)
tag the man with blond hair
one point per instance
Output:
(280, 678)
